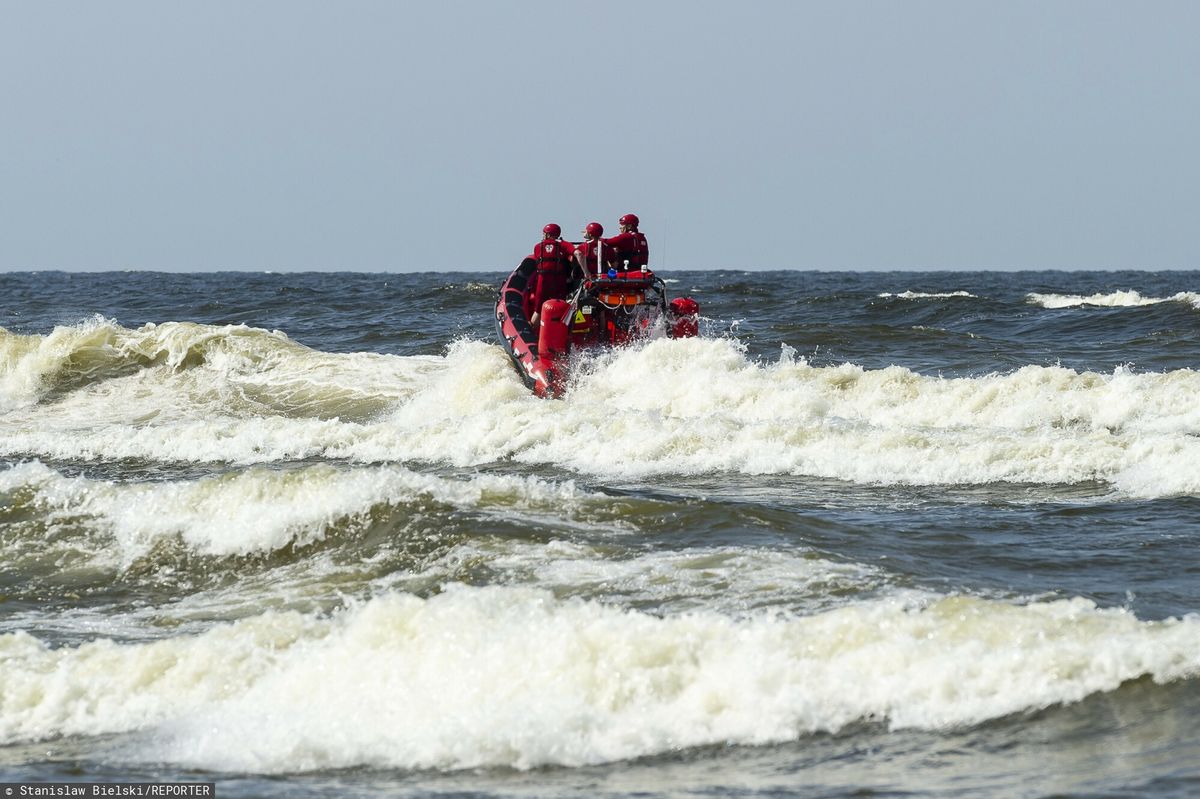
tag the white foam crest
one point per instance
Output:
(921, 295)
(693, 406)
(727, 579)
(1115, 299)
(261, 510)
(218, 414)
(103, 686)
(197, 369)
(29, 364)
(513, 677)
(697, 406)
(164, 434)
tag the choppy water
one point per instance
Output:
(886, 534)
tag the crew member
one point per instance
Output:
(628, 249)
(553, 258)
(589, 252)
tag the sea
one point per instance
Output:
(876, 534)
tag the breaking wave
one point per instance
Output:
(514, 677)
(695, 406)
(232, 367)
(255, 511)
(81, 531)
(1115, 299)
(921, 295)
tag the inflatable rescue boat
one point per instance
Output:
(605, 310)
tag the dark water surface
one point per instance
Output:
(877, 534)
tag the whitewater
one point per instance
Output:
(196, 393)
(869, 533)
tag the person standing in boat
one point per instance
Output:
(628, 249)
(589, 252)
(549, 282)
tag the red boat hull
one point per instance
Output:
(608, 310)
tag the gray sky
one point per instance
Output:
(442, 135)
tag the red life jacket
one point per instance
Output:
(630, 246)
(640, 256)
(588, 250)
(551, 256)
(550, 280)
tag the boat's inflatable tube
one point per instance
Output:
(554, 338)
(520, 341)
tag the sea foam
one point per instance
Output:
(1115, 299)
(925, 295)
(695, 406)
(227, 369)
(514, 677)
(257, 510)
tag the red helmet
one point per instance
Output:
(552, 230)
(629, 219)
(594, 229)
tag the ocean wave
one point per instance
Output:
(692, 406)
(226, 368)
(302, 527)
(514, 677)
(737, 581)
(255, 511)
(733, 580)
(1115, 299)
(921, 295)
